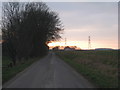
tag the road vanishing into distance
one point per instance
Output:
(48, 72)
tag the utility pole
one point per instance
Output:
(89, 42)
(65, 41)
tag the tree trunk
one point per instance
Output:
(14, 61)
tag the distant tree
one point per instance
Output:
(56, 48)
(28, 27)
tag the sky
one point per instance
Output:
(96, 19)
(99, 20)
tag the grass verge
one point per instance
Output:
(100, 67)
(9, 72)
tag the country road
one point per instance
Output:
(49, 72)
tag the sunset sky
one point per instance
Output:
(82, 19)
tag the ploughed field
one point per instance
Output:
(100, 67)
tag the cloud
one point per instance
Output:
(81, 19)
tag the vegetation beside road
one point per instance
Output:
(21, 38)
(9, 72)
(100, 67)
(23, 41)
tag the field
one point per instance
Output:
(99, 67)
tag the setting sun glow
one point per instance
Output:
(82, 44)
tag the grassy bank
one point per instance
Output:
(9, 72)
(100, 67)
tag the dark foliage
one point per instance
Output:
(27, 28)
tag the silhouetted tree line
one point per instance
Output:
(27, 28)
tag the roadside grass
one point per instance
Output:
(100, 67)
(9, 72)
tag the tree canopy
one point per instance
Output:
(27, 28)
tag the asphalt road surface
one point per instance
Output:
(49, 72)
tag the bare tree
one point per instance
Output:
(9, 27)
(28, 27)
